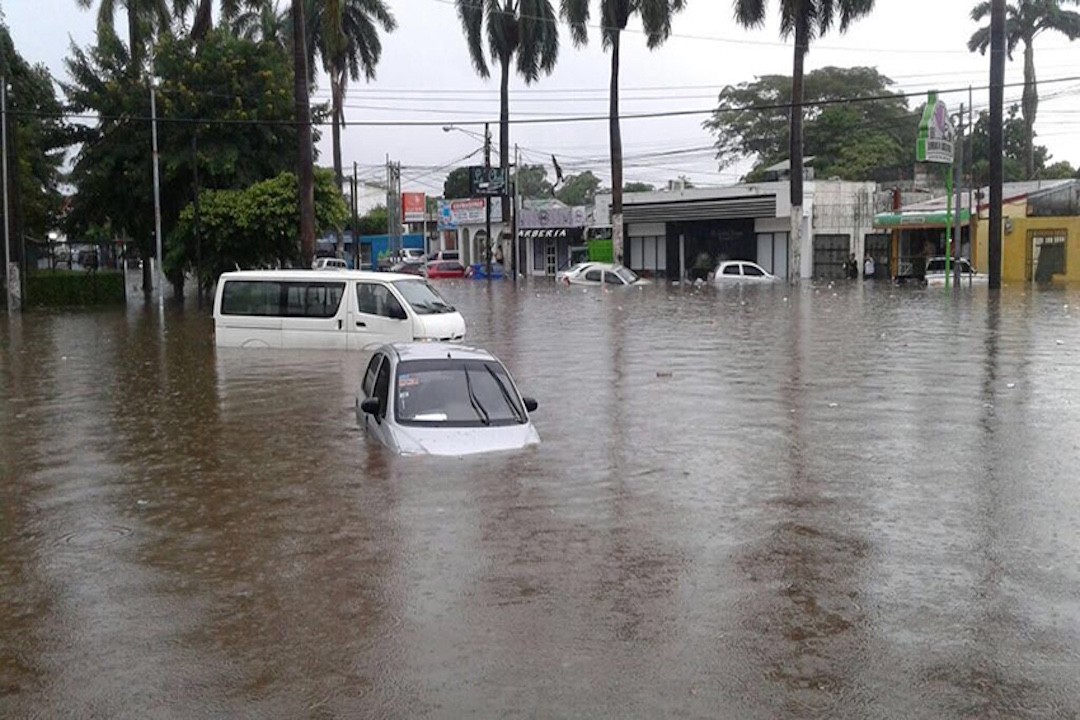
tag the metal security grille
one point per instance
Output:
(730, 208)
(830, 252)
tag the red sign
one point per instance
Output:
(413, 205)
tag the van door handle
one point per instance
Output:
(339, 323)
(361, 323)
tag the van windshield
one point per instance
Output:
(457, 393)
(422, 297)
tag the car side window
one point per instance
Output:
(369, 375)
(593, 275)
(752, 271)
(376, 299)
(612, 279)
(382, 390)
(731, 269)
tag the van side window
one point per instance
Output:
(369, 376)
(382, 389)
(316, 300)
(376, 299)
(246, 297)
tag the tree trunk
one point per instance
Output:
(305, 169)
(203, 22)
(337, 89)
(504, 136)
(615, 134)
(795, 159)
(1029, 106)
(135, 49)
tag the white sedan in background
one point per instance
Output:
(597, 273)
(741, 271)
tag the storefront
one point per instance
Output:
(552, 236)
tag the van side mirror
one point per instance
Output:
(530, 404)
(370, 406)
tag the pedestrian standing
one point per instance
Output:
(868, 267)
(852, 267)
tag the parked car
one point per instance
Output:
(442, 399)
(935, 272)
(447, 255)
(597, 273)
(408, 268)
(329, 263)
(439, 269)
(479, 271)
(741, 271)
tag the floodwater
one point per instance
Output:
(849, 502)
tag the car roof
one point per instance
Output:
(302, 275)
(610, 267)
(435, 351)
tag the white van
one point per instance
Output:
(329, 309)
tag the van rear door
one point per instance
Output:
(247, 314)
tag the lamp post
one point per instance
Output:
(12, 300)
(159, 275)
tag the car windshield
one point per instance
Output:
(456, 393)
(628, 275)
(422, 297)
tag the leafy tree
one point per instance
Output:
(578, 189)
(253, 227)
(36, 138)
(532, 182)
(1024, 21)
(656, 18)
(805, 19)
(1061, 170)
(229, 83)
(456, 184)
(638, 187)
(1014, 134)
(375, 222)
(868, 140)
(524, 31)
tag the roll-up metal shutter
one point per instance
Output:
(728, 208)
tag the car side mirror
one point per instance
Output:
(530, 404)
(370, 406)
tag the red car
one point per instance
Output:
(438, 269)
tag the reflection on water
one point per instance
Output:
(849, 501)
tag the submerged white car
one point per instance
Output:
(598, 273)
(442, 399)
(935, 272)
(741, 271)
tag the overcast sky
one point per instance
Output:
(425, 75)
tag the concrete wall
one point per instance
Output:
(1016, 246)
(845, 208)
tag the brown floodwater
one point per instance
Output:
(846, 502)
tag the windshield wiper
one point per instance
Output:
(474, 401)
(505, 393)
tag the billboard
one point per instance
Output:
(936, 133)
(453, 213)
(486, 181)
(413, 206)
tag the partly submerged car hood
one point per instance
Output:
(413, 440)
(447, 327)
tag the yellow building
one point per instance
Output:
(1040, 233)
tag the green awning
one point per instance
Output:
(919, 219)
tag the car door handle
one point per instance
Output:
(361, 323)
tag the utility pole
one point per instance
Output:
(357, 258)
(195, 205)
(487, 201)
(159, 276)
(997, 98)
(514, 225)
(12, 300)
(959, 180)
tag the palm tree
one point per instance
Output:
(144, 18)
(656, 18)
(305, 169)
(806, 19)
(1024, 20)
(264, 24)
(524, 31)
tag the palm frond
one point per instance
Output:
(471, 15)
(576, 15)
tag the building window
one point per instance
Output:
(648, 255)
(1047, 254)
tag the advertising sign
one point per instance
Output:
(553, 217)
(486, 181)
(454, 213)
(413, 205)
(936, 133)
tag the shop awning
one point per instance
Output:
(935, 218)
(716, 209)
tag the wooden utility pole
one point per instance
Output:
(997, 97)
